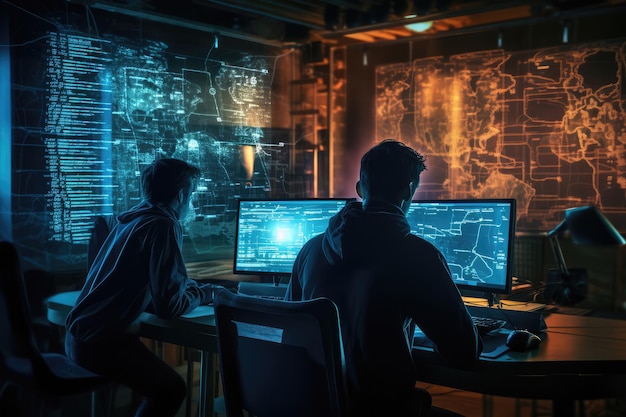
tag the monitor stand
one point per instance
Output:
(276, 280)
(482, 299)
(268, 287)
(492, 299)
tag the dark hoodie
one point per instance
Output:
(384, 281)
(140, 267)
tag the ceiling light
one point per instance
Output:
(419, 26)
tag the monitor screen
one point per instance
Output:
(475, 236)
(270, 233)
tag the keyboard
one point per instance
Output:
(485, 324)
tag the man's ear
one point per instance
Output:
(409, 191)
(358, 189)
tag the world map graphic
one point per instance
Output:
(546, 127)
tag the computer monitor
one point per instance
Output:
(271, 232)
(475, 236)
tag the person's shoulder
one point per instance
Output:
(314, 242)
(154, 216)
(416, 242)
(155, 221)
(167, 223)
(316, 239)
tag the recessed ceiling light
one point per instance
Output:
(419, 26)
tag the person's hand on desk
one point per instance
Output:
(208, 292)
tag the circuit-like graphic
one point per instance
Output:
(475, 238)
(96, 109)
(546, 127)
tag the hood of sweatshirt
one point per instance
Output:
(355, 235)
(146, 207)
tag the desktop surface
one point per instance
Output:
(581, 357)
(505, 304)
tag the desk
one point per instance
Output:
(580, 358)
(196, 333)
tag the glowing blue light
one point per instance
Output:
(283, 234)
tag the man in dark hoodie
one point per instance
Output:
(139, 268)
(385, 281)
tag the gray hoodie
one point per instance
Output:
(139, 267)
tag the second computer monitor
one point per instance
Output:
(270, 233)
(475, 236)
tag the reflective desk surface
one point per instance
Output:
(581, 357)
(195, 331)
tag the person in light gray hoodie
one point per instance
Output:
(385, 281)
(139, 268)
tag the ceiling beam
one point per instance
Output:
(278, 10)
(180, 22)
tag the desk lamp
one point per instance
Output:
(586, 226)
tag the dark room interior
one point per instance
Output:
(277, 100)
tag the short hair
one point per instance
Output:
(388, 167)
(162, 179)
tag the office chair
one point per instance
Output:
(280, 358)
(50, 375)
(40, 285)
(257, 289)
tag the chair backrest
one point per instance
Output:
(280, 358)
(20, 358)
(21, 362)
(17, 341)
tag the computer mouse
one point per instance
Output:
(522, 340)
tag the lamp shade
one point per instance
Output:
(588, 226)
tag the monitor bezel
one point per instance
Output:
(484, 289)
(237, 219)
